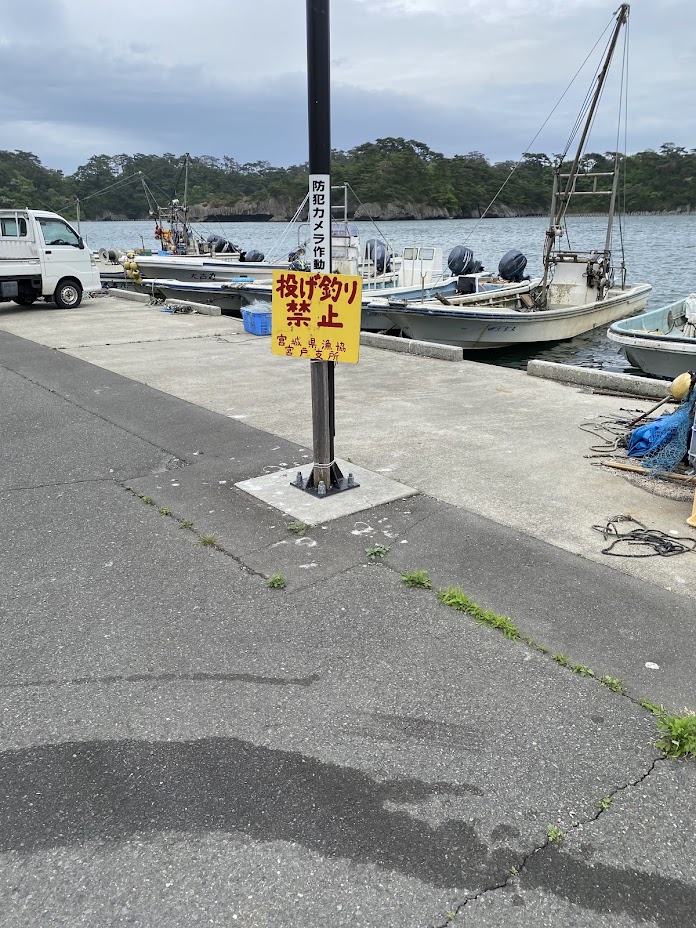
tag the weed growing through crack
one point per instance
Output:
(613, 683)
(298, 528)
(604, 803)
(377, 551)
(276, 582)
(678, 731)
(554, 833)
(148, 500)
(418, 579)
(208, 540)
(457, 599)
(163, 511)
(185, 523)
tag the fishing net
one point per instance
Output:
(669, 450)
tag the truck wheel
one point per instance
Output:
(68, 294)
(26, 299)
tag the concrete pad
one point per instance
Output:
(276, 490)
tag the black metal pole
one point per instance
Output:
(319, 86)
(325, 469)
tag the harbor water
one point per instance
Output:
(660, 250)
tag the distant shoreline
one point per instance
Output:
(245, 219)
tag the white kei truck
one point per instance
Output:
(41, 255)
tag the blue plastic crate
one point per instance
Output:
(257, 321)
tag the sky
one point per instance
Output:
(228, 77)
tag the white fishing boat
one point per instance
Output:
(417, 272)
(661, 342)
(580, 289)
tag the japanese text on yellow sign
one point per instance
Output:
(316, 316)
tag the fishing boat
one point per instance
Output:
(578, 291)
(417, 272)
(661, 342)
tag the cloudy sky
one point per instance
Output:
(81, 77)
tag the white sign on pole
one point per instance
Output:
(320, 221)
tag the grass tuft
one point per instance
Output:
(457, 599)
(679, 731)
(147, 499)
(163, 511)
(298, 528)
(583, 670)
(208, 540)
(186, 523)
(554, 833)
(613, 683)
(417, 578)
(679, 734)
(276, 582)
(561, 659)
(377, 551)
(604, 803)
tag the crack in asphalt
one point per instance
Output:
(215, 546)
(72, 483)
(540, 848)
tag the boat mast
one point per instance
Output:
(561, 199)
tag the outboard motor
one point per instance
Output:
(297, 260)
(460, 261)
(378, 252)
(254, 255)
(512, 266)
(221, 244)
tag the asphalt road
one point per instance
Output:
(182, 745)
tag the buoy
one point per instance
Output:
(678, 390)
(680, 386)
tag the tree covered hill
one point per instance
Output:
(393, 178)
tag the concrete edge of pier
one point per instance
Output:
(592, 377)
(411, 346)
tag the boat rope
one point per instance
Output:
(121, 181)
(613, 432)
(276, 252)
(370, 219)
(540, 130)
(588, 96)
(658, 542)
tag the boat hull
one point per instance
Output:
(230, 302)
(232, 295)
(476, 327)
(191, 269)
(652, 343)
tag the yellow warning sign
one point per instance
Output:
(316, 316)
